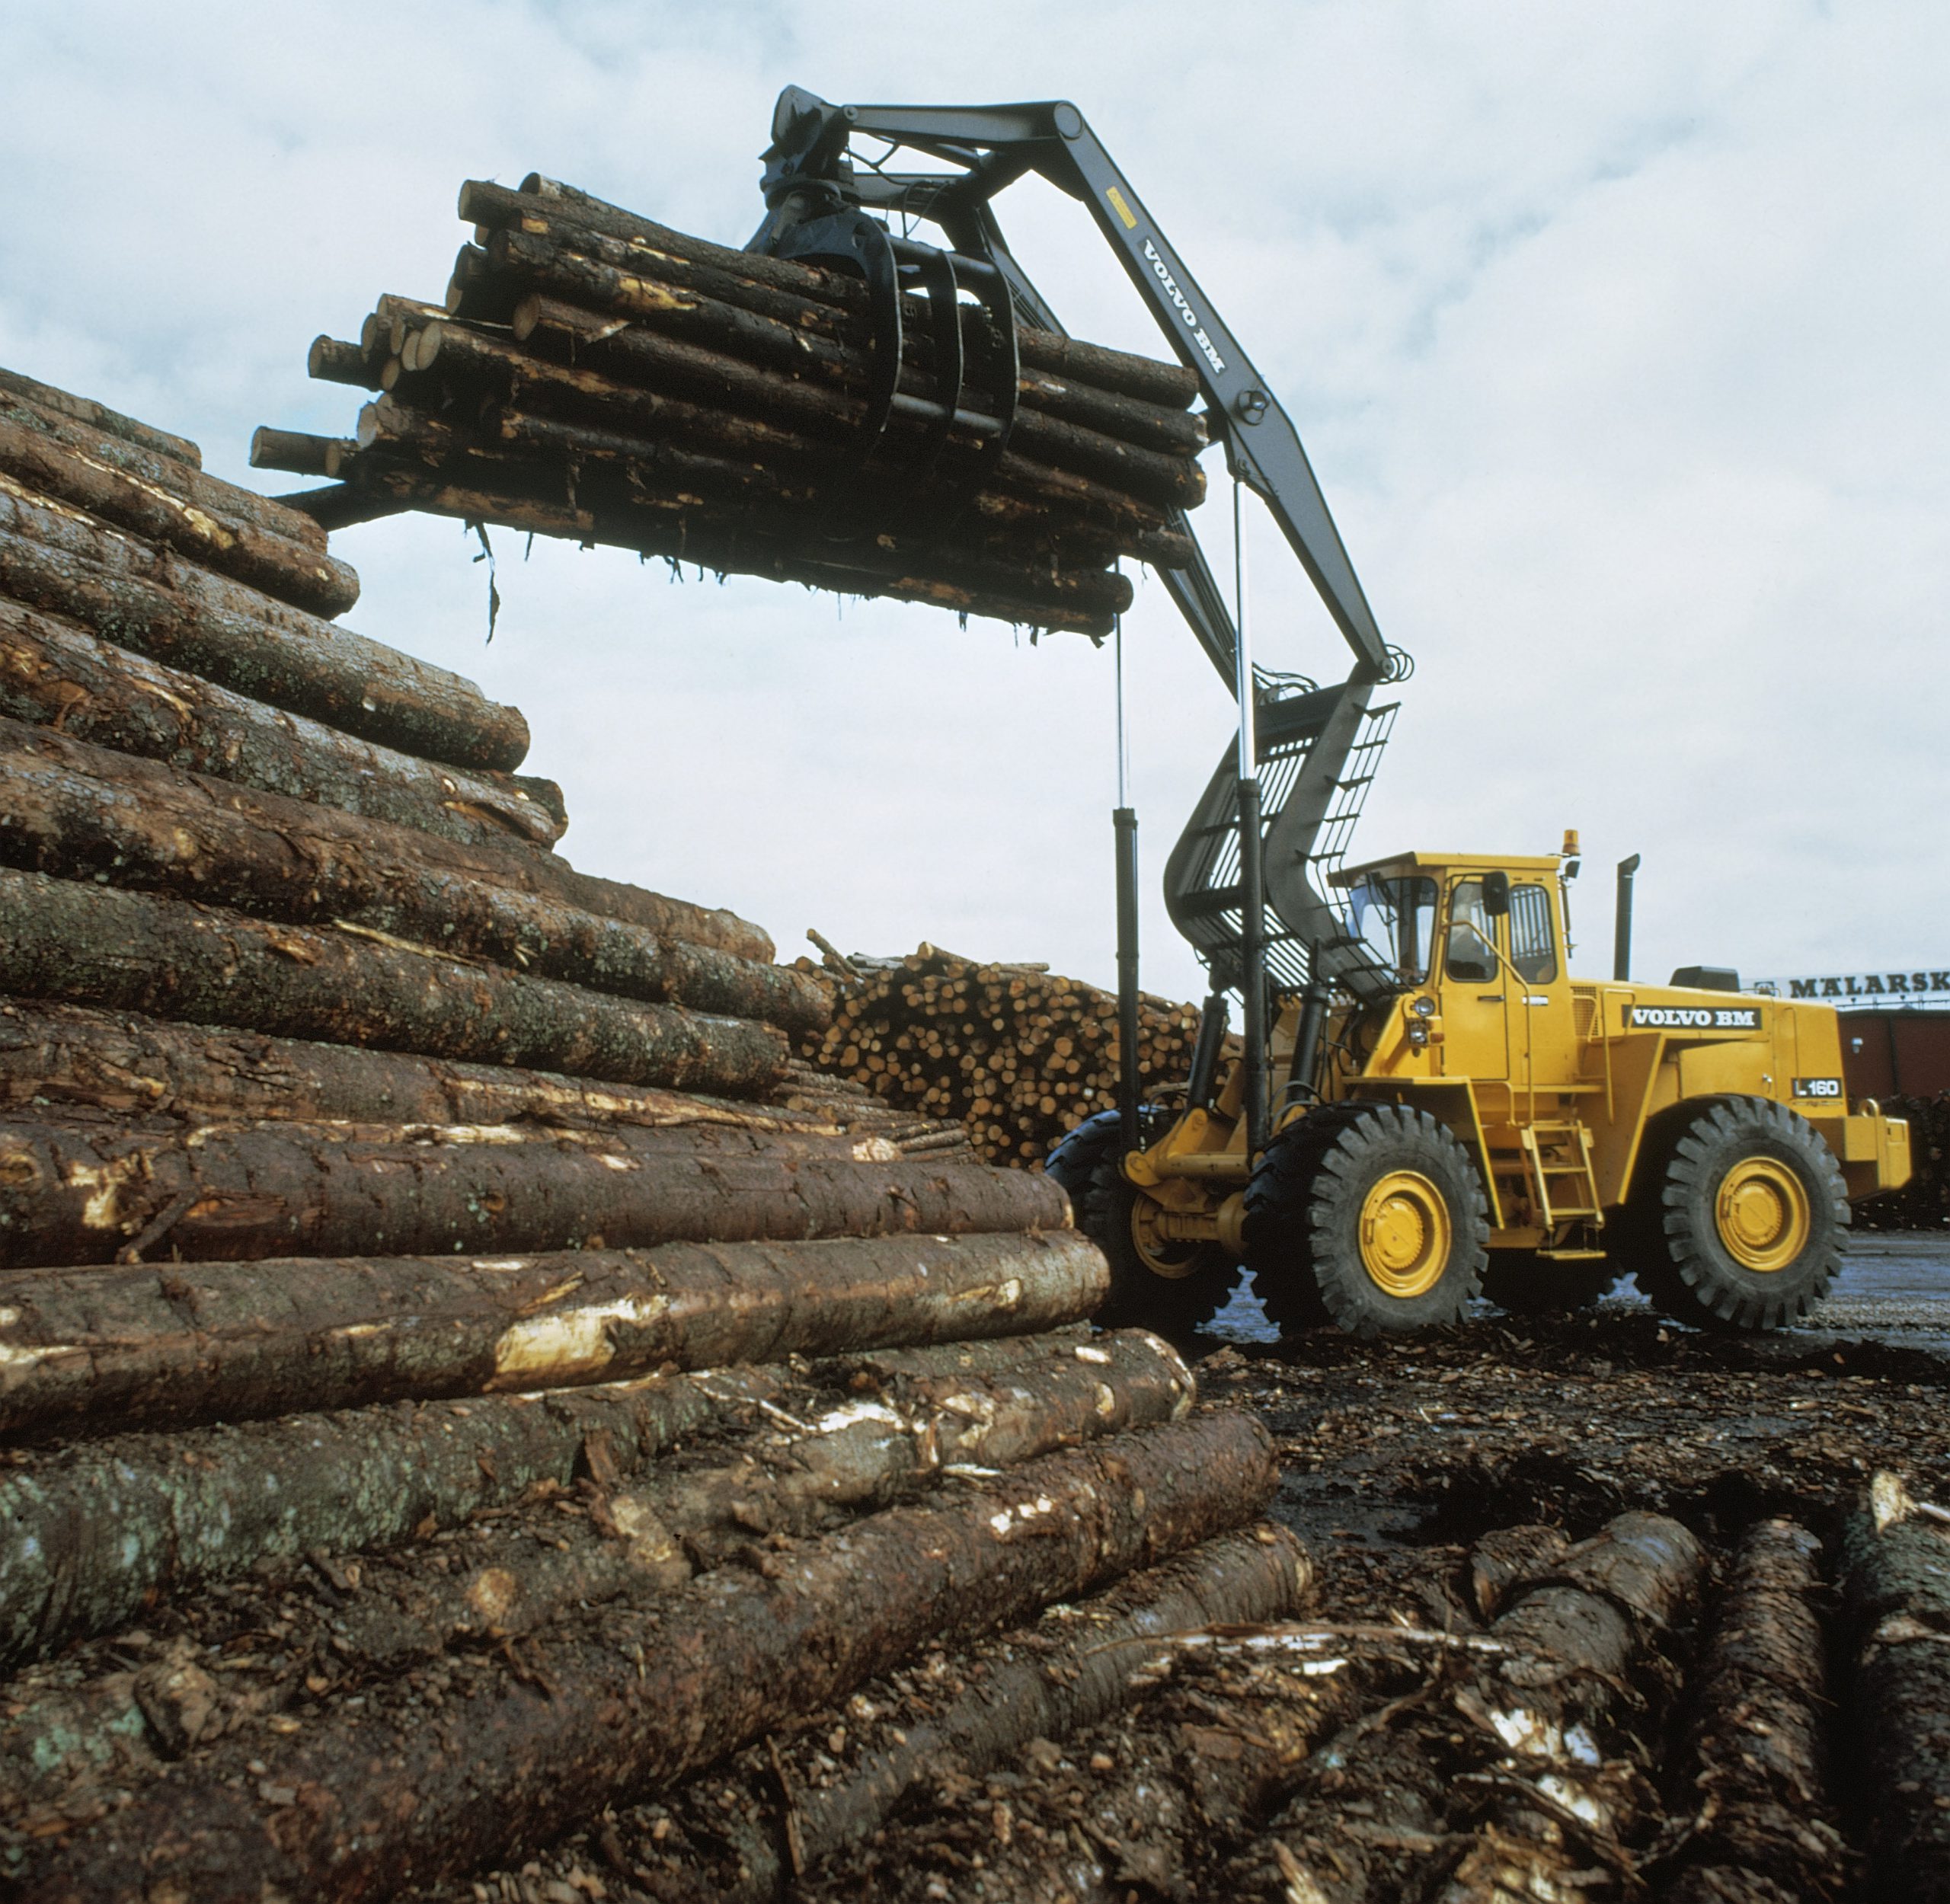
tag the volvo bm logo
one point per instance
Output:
(1185, 311)
(1689, 1017)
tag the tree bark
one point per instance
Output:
(83, 813)
(240, 514)
(75, 1194)
(95, 945)
(90, 1533)
(45, 397)
(1071, 1671)
(64, 562)
(301, 454)
(1897, 1615)
(879, 1434)
(1375, 1814)
(62, 1055)
(1763, 1825)
(300, 572)
(712, 545)
(543, 198)
(55, 674)
(714, 1665)
(187, 1343)
(333, 360)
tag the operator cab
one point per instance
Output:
(1431, 917)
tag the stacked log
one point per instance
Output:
(429, 1260)
(1017, 1054)
(595, 376)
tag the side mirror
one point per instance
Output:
(1496, 894)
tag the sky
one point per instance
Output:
(1616, 336)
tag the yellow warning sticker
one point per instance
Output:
(1123, 210)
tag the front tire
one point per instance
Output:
(1173, 1288)
(1739, 1218)
(1368, 1215)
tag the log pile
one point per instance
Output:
(449, 1347)
(1015, 1054)
(595, 376)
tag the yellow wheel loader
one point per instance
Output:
(1423, 1105)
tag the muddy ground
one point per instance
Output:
(1398, 1458)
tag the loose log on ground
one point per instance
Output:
(100, 416)
(87, 1534)
(138, 1346)
(78, 812)
(53, 672)
(65, 1056)
(64, 561)
(95, 945)
(637, 1699)
(297, 572)
(1896, 1607)
(1763, 1828)
(1079, 1664)
(1376, 1817)
(79, 1193)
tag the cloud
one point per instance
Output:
(1614, 334)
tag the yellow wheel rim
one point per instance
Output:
(1406, 1235)
(1168, 1256)
(1762, 1214)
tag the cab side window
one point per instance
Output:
(1469, 956)
(1532, 943)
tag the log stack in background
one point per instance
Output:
(449, 1347)
(595, 376)
(1017, 1054)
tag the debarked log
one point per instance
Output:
(1763, 1825)
(67, 1054)
(63, 561)
(300, 572)
(635, 1698)
(96, 945)
(56, 673)
(78, 813)
(86, 1535)
(77, 1193)
(149, 1346)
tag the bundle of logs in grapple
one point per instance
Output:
(597, 376)
(1018, 1055)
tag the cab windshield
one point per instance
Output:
(1394, 916)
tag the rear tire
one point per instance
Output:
(1524, 1283)
(1106, 1203)
(1368, 1215)
(1736, 1223)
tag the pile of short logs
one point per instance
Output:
(595, 376)
(1017, 1054)
(457, 1372)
